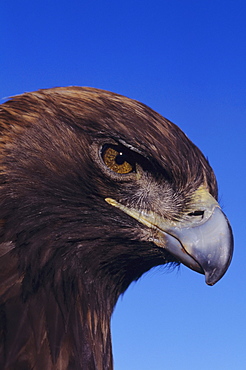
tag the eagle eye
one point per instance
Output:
(118, 159)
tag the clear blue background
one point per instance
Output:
(187, 60)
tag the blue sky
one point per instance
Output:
(187, 60)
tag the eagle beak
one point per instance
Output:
(206, 247)
(201, 239)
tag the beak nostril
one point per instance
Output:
(196, 213)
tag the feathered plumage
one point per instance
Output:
(95, 189)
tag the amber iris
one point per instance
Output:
(117, 160)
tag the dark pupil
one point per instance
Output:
(120, 158)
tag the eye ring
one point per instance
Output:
(118, 159)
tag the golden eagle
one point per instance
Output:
(95, 190)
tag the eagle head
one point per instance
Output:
(95, 189)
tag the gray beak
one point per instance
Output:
(206, 247)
